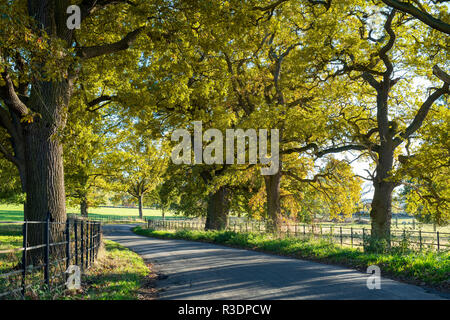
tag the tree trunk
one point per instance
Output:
(84, 207)
(163, 213)
(140, 201)
(45, 185)
(44, 173)
(381, 211)
(217, 211)
(273, 183)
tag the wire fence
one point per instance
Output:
(106, 218)
(44, 264)
(111, 218)
(341, 235)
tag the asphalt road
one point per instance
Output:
(202, 271)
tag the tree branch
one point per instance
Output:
(421, 114)
(349, 147)
(103, 98)
(300, 150)
(11, 98)
(95, 51)
(419, 14)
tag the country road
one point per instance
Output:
(202, 271)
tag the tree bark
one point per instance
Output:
(43, 163)
(84, 207)
(217, 211)
(140, 203)
(381, 211)
(45, 191)
(273, 183)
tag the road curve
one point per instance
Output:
(202, 271)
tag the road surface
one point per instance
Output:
(202, 271)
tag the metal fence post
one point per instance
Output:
(92, 243)
(420, 239)
(82, 244)
(364, 237)
(24, 256)
(47, 250)
(437, 236)
(67, 244)
(75, 227)
(86, 246)
(351, 236)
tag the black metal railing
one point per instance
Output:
(74, 242)
(342, 235)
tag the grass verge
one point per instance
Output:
(423, 268)
(118, 274)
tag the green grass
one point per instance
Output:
(396, 224)
(425, 267)
(15, 212)
(10, 238)
(118, 274)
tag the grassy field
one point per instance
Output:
(396, 223)
(15, 212)
(10, 238)
(429, 268)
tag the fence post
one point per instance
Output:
(24, 256)
(420, 239)
(364, 237)
(437, 236)
(88, 247)
(98, 239)
(91, 238)
(75, 230)
(86, 261)
(351, 236)
(67, 244)
(92, 243)
(82, 244)
(47, 250)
